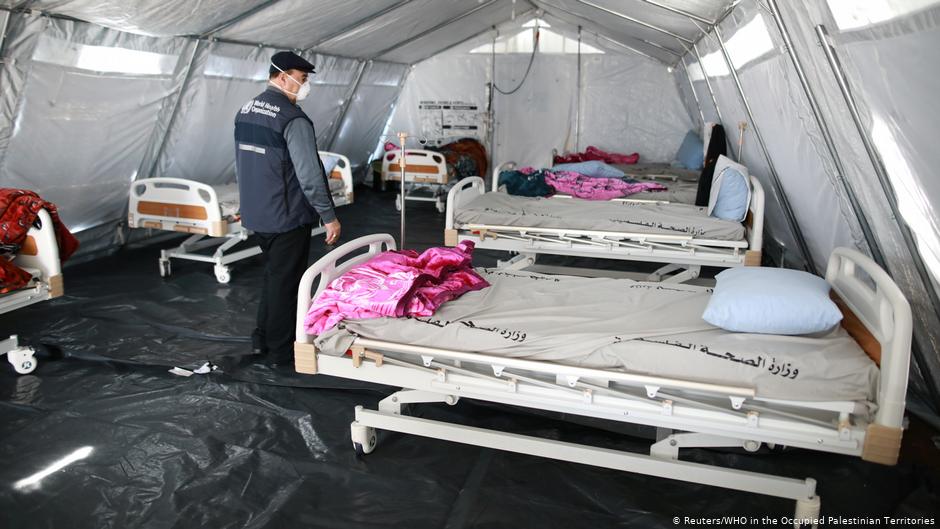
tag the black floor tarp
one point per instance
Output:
(246, 446)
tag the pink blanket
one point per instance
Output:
(396, 284)
(593, 153)
(589, 188)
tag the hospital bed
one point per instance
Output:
(426, 176)
(39, 256)
(681, 236)
(211, 215)
(687, 408)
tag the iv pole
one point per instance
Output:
(401, 188)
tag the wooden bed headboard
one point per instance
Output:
(857, 330)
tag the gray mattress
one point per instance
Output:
(229, 200)
(501, 209)
(620, 324)
(680, 192)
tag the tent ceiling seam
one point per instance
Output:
(437, 27)
(358, 23)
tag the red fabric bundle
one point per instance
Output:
(18, 211)
(593, 153)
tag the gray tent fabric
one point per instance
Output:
(96, 94)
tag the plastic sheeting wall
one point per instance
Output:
(875, 59)
(200, 144)
(72, 132)
(628, 102)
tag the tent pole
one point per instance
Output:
(238, 18)
(775, 178)
(492, 103)
(197, 44)
(634, 50)
(635, 21)
(356, 24)
(698, 102)
(827, 137)
(878, 163)
(708, 83)
(427, 32)
(577, 125)
(347, 103)
(678, 11)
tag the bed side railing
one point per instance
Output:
(331, 266)
(463, 192)
(885, 312)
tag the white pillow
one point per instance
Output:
(731, 191)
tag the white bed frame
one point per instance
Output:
(40, 257)
(683, 255)
(188, 206)
(425, 171)
(686, 413)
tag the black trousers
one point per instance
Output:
(285, 260)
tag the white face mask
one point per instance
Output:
(301, 92)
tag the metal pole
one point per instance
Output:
(442, 25)
(357, 24)
(401, 189)
(698, 103)
(635, 21)
(708, 83)
(878, 163)
(492, 102)
(775, 178)
(678, 11)
(634, 50)
(347, 103)
(176, 107)
(577, 126)
(827, 137)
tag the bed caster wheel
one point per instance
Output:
(165, 269)
(398, 203)
(222, 274)
(23, 360)
(806, 515)
(363, 438)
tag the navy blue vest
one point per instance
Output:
(272, 200)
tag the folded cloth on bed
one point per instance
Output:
(500, 209)
(525, 184)
(620, 324)
(19, 209)
(396, 283)
(593, 153)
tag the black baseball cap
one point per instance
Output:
(287, 60)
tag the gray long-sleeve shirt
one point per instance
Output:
(302, 146)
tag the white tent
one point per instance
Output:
(98, 94)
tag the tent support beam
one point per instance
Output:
(774, 176)
(827, 137)
(708, 84)
(878, 163)
(337, 34)
(238, 18)
(635, 21)
(682, 12)
(347, 103)
(601, 34)
(698, 102)
(427, 32)
(197, 44)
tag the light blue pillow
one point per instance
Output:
(595, 168)
(734, 194)
(771, 301)
(692, 152)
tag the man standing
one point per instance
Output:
(283, 188)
